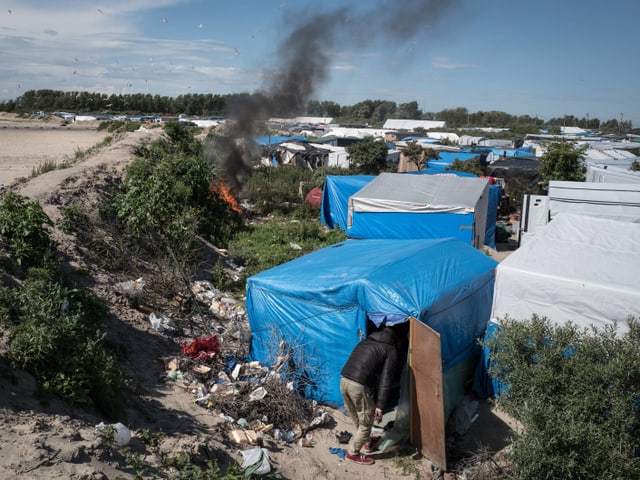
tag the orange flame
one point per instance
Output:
(221, 190)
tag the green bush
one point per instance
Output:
(576, 393)
(171, 195)
(54, 330)
(73, 219)
(470, 166)
(23, 230)
(563, 160)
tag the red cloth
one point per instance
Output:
(314, 197)
(202, 348)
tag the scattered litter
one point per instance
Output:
(172, 364)
(283, 435)
(256, 461)
(202, 369)
(341, 452)
(306, 441)
(344, 436)
(245, 437)
(204, 291)
(202, 348)
(320, 419)
(258, 394)
(132, 289)
(243, 422)
(121, 434)
(161, 323)
(295, 246)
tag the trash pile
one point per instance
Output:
(253, 402)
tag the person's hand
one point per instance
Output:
(378, 415)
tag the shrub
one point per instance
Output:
(576, 393)
(23, 230)
(470, 166)
(171, 195)
(563, 160)
(54, 335)
(73, 219)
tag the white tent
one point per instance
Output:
(612, 174)
(410, 125)
(577, 268)
(616, 201)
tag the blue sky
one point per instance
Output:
(544, 58)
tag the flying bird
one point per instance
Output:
(10, 11)
(199, 25)
(165, 20)
(100, 12)
(237, 52)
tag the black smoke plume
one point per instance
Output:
(304, 63)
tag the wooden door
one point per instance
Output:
(427, 422)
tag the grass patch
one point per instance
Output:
(44, 167)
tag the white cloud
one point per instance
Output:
(70, 45)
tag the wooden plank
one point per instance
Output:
(427, 422)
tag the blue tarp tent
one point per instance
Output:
(395, 205)
(320, 303)
(335, 198)
(337, 190)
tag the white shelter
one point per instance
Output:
(578, 269)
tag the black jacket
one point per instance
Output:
(376, 362)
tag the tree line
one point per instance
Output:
(367, 112)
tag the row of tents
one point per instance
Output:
(415, 252)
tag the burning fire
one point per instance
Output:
(219, 188)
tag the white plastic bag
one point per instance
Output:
(121, 434)
(256, 460)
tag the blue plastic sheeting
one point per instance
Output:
(334, 210)
(442, 171)
(445, 159)
(483, 384)
(412, 225)
(277, 139)
(319, 303)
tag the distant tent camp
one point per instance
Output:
(396, 205)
